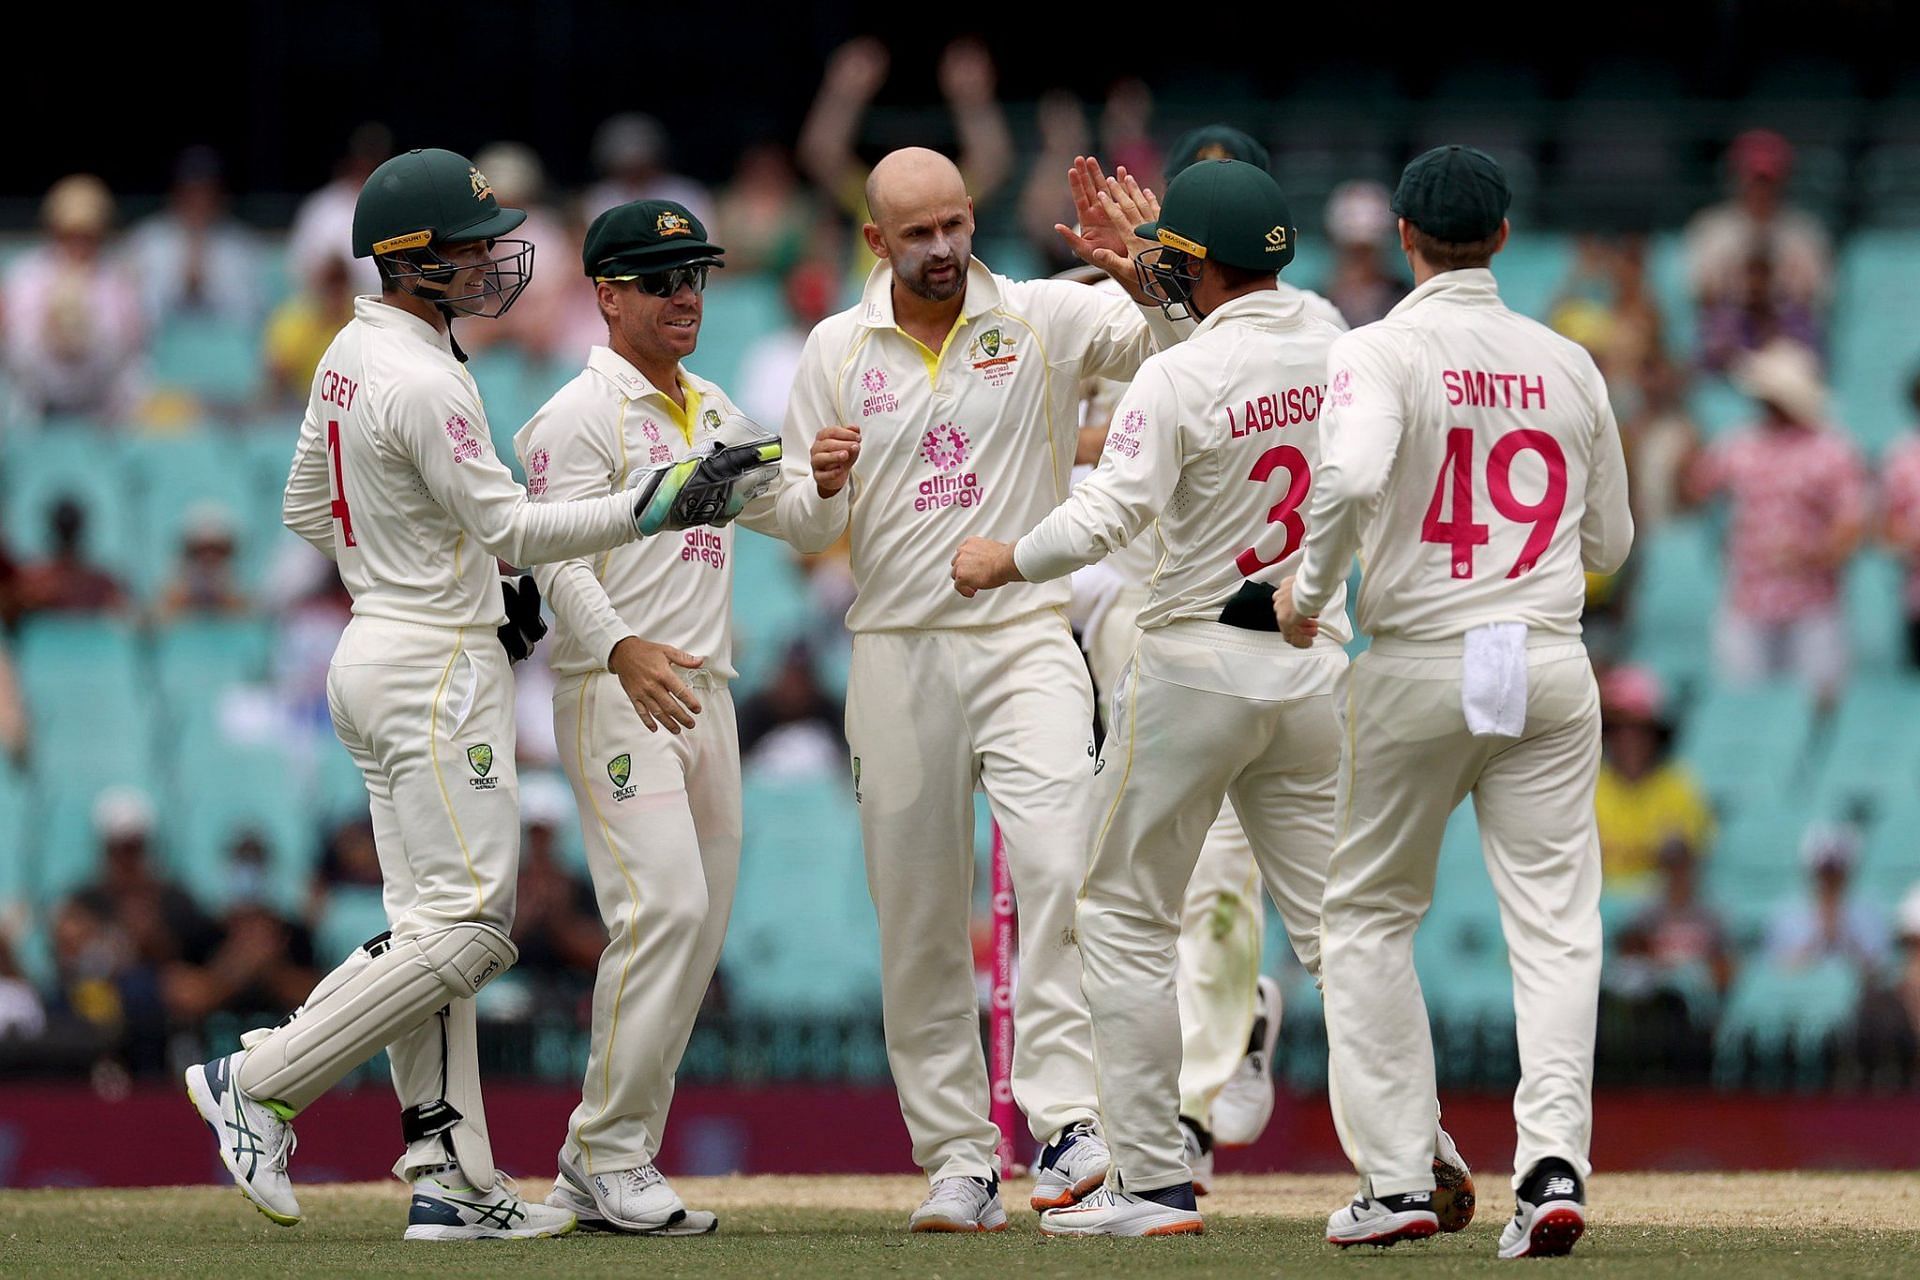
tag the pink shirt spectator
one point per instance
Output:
(1791, 488)
(1900, 500)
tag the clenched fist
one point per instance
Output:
(981, 564)
(835, 450)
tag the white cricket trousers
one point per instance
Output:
(1409, 761)
(427, 714)
(929, 713)
(1223, 924)
(1174, 754)
(660, 814)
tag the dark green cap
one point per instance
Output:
(427, 197)
(645, 236)
(1228, 211)
(1453, 193)
(1214, 142)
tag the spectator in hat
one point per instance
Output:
(1797, 493)
(1900, 514)
(1366, 282)
(205, 583)
(630, 151)
(1683, 934)
(193, 258)
(1721, 241)
(1830, 922)
(160, 921)
(67, 581)
(1646, 803)
(72, 321)
(323, 226)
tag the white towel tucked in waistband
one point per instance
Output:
(1493, 680)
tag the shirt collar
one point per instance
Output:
(1268, 304)
(876, 299)
(633, 384)
(1469, 287)
(372, 311)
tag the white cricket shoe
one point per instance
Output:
(1383, 1221)
(1549, 1216)
(1453, 1198)
(1244, 1104)
(1108, 1212)
(960, 1204)
(1070, 1167)
(1197, 1147)
(447, 1207)
(254, 1142)
(635, 1201)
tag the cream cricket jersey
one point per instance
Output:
(1135, 561)
(1471, 457)
(675, 588)
(395, 478)
(1215, 444)
(976, 438)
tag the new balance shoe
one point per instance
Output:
(255, 1143)
(1453, 1199)
(1070, 1167)
(1550, 1213)
(635, 1201)
(1197, 1146)
(1107, 1212)
(446, 1206)
(1244, 1104)
(1383, 1220)
(960, 1204)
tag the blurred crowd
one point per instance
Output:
(86, 311)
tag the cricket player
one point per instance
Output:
(395, 479)
(1216, 441)
(660, 812)
(1229, 1011)
(944, 403)
(1470, 456)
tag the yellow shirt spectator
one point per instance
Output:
(1637, 817)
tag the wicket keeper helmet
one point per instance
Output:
(416, 204)
(1226, 210)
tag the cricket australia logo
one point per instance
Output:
(994, 357)
(710, 420)
(620, 770)
(480, 759)
(878, 398)
(946, 448)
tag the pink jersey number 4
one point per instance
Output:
(338, 507)
(1460, 533)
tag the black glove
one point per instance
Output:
(524, 625)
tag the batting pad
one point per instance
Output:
(439, 1062)
(383, 997)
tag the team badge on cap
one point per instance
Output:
(670, 223)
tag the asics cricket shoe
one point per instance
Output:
(1167, 1212)
(446, 1206)
(1070, 1167)
(1550, 1213)
(1383, 1220)
(1197, 1147)
(961, 1204)
(255, 1143)
(1453, 1199)
(634, 1201)
(1244, 1104)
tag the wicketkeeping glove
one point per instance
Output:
(711, 486)
(524, 625)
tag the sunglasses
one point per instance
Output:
(664, 284)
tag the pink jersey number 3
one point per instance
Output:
(1284, 512)
(1455, 480)
(338, 507)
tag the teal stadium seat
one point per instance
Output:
(1890, 858)
(738, 312)
(1531, 270)
(1876, 612)
(228, 789)
(1874, 359)
(771, 606)
(64, 851)
(65, 459)
(1747, 744)
(1775, 1014)
(1674, 602)
(803, 937)
(1872, 759)
(85, 685)
(16, 823)
(1667, 273)
(217, 361)
(175, 476)
(196, 658)
(1755, 865)
(352, 914)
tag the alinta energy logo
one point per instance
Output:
(537, 463)
(946, 448)
(878, 399)
(1124, 438)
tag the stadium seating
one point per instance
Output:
(1779, 1021)
(1748, 743)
